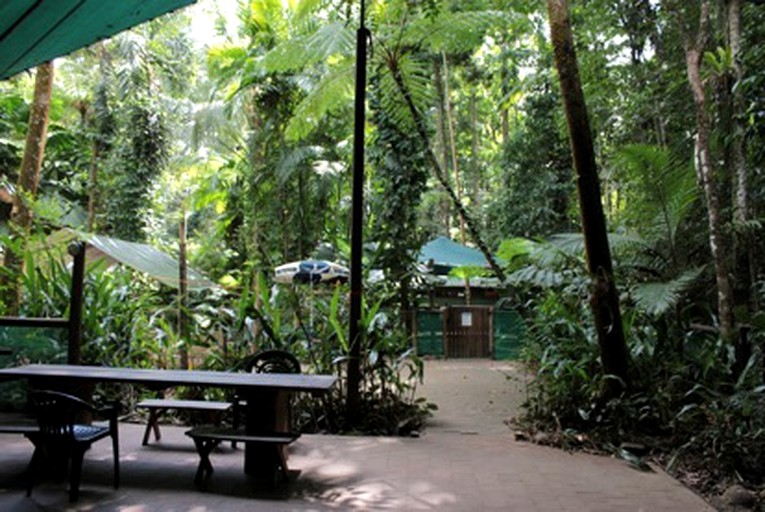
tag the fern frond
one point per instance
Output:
(333, 92)
(298, 52)
(453, 32)
(291, 160)
(416, 79)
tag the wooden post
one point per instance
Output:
(74, 353)
(183, 296)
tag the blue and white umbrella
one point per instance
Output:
(311, 271)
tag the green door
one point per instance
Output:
(430, 333)
(509, 334)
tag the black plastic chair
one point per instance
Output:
(265, 361)
(61, 438)
(272, 361)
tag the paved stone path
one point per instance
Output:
(467, 460)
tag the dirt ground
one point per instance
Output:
(473, 395)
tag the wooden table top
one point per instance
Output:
(168, 378)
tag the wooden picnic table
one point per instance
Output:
(267, 394)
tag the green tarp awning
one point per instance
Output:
(144, 258)
(35, 31)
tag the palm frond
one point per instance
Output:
(331, 40)
(266, 15)
(214, 125)
(515, 247)
(572, 244)
(225, 61)
(290, 55)
(536, 276)
(657, 298)
(303, 8)
(663, 189)
(679, 203)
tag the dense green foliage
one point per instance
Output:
(249, 139)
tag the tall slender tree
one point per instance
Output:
(604, 299)
(695, 43)
(29, 178)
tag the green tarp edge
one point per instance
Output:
(147, 259)
(35, 31)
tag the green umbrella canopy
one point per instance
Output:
(35, 31)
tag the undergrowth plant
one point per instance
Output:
(131, 321)
(316, 333)
(685, 406)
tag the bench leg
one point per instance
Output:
(282, 451)
(152, 424)
(204, 447)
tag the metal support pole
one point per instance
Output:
(353, 398)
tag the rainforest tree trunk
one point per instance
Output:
(604, 299)
(442, 145)
(453, 144)
(29, 178)
(694, 53)
(743, 273)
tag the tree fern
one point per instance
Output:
(414, 73)
(452, 32)
(332, 41)
(332, 93)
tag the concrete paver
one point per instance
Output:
(466, 460)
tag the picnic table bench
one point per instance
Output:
(158, 406)
(266, 395)
(208, 437)
(17, 423)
